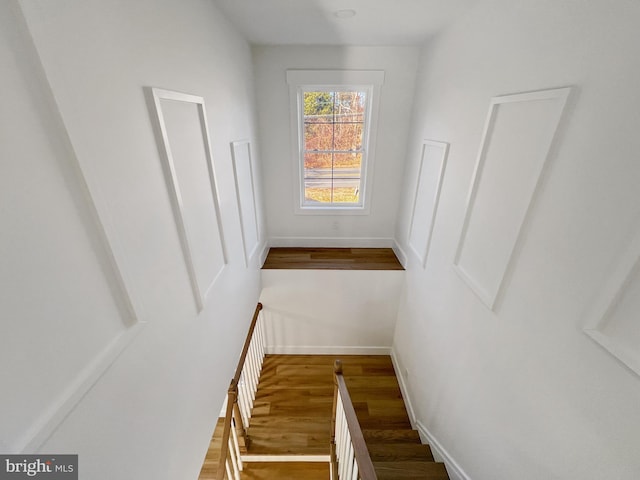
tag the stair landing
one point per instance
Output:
(332, 259)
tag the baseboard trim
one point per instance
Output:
(286, 458)
(403, 388)
(400, 253)
(441, 454)
(332, 242)
(263, 254)
(326, 350)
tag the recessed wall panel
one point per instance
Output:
(187, 153)
(518, 136)
(245, 191)
(614, 323)
(430, 176)
(68, 309)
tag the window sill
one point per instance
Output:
(309, 210)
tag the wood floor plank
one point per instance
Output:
(210, 464)
(410, 470)
(332, 258)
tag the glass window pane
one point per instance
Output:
(347, 171)
(346, 194)
(349, 106)
(333, 122)
(331, 191)
(347, 136)
(317, 190)
(318, 136)
(316, 164)
(347, 164)
(318, 107)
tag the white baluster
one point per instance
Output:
(242, 401)
(344, 431)
(354, 476)
(339, 429)
(236, 444)
(251, 365)
(350, 459)
(250, 374)
(234, 461)
(228, 469)
(261, 338)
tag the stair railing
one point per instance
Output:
(350, 459)
(240, 398)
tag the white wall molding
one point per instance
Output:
(95, 201)
(264, 251)
(192, 223)
(427, 195)
(441, 454)
(246, 198)
(110, 252)
(103, 119)
(332, 242)
(60, 408)
(603, 326)
(484, 260)
(326, 350)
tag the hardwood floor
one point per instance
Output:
(292, 416)
(292, 413)
(332, 259)
(210, 465)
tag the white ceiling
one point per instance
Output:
(313, 22)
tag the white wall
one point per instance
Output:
(284, 226)
(330, 311)
(74, 111)
(522, 392)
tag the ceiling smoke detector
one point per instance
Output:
(344, 13)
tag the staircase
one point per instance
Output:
(292, 418)
(399, 454)
(394, 447)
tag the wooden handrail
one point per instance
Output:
(247, 342)
(232, 399)
(361, 453)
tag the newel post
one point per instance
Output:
(242, 432)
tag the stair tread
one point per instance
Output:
(384, 422)
(410, 470)
(399, 452)
(278, 470)
(376, 435)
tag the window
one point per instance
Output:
(333, 122)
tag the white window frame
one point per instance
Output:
(300, 81)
